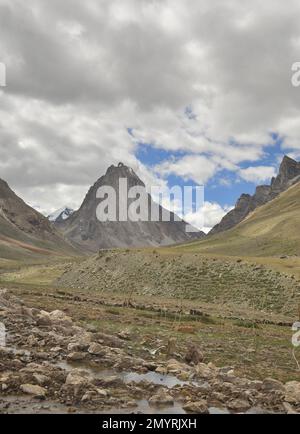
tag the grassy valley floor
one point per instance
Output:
(238, 312)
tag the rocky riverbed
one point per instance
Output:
(50, 364)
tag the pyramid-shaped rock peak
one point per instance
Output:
(90, 234)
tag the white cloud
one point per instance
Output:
(207, 216)
(195, 167)
(80, 73)
(257, 174)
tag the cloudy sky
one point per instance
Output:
(195, 91)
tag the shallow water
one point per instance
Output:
(27, 405)
(168, 381)
(143, 407)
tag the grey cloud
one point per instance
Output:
(80, 73)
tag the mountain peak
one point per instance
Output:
(289, 165)
(114, 173)
(5, 190)
(287, 160)
(61, 214)
(288, 170)
(25, 229)
(120, 169)
(90, 234)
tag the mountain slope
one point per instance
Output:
(24, 232)
(289, 173)
(89, 234)
(270, 230)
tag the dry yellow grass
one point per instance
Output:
(271, 230)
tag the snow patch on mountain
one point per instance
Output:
(61, 214)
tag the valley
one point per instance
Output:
(201, 326)
(251, 338)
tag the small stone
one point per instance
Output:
(175, 367)
(238, 405)
(76, 356)
(30, 389)
(289, 409)
(77, 377)
(215, 410)
(75, 347)
(204, 387)
(270, 385)
(194, 355)
(56, 350)
(198, 407)
(257, 410)
(95, 349)
(203, 371)
(171, 348)
(60, 318)
(101, 392)
(113, 380)
(124, 334)
(292, 392)
(161, 370)
(161, 399)
(41, 379)
(43, 318)
(90, 395)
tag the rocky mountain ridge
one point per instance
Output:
(289, 174)
(24, 229)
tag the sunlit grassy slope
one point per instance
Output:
(271, 230)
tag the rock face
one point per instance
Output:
(289, 174)
(90, 234)
(24, 229)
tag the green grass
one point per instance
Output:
(256, 352)
(216, 281)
